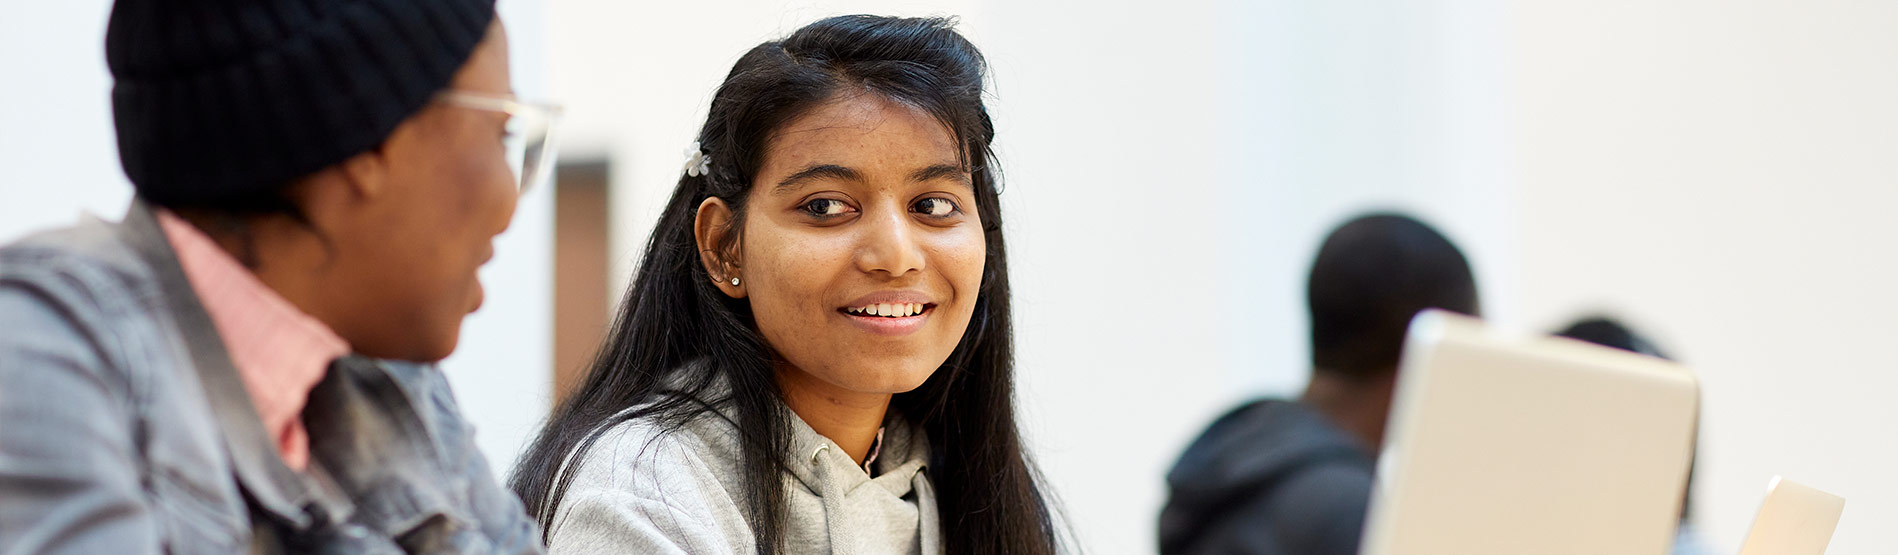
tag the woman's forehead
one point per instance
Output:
(862, 128)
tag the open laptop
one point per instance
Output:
(1503, 444)
(1794, 520)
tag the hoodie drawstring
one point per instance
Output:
(928, 521)
(833, 498)
(928, 526)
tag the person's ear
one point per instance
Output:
(712, 228)
(332, 199)
(366, 174)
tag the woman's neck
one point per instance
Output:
(850, 418)
(285, 255)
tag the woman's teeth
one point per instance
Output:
(888, 310)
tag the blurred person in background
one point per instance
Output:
(815, 355)
(1609, 332)
(1282, 477)
(240, 363)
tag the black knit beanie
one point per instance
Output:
(217, 100)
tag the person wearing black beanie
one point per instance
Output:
(243, 363)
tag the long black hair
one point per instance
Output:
(677, 335)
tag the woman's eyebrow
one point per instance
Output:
(817, 171)
(953, 172)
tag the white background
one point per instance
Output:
(1721, 174)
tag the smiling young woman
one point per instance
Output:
(823, 306)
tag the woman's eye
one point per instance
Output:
(825, 207)
(936, 207)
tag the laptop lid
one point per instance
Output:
(1794, 520)
(1508, 444)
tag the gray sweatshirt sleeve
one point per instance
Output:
(640, 492)
(607, 522)
(69, 472)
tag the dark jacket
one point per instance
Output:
(1269, 478)
(125, 429)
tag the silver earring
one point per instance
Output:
(734, 282)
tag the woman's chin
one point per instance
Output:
(886, 380)
(908, 380)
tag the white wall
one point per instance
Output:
(1172, 169)
(61, 157)
(56, 138)
(1725, 174)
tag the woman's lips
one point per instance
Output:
(478, 291)
(887, 309)
(480, 296)
(901, 319)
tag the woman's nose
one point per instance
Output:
(889, 243)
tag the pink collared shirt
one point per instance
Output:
(876, 447)
(280, 352)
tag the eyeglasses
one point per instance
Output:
(530, 132)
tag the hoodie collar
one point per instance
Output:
(901, 456)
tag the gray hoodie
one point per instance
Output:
(638, 490)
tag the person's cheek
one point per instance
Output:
(766, 284)
(962, 254)
(806, 291)
(506, 188)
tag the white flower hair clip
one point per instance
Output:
(697, 163)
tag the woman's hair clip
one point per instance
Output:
(697, 163)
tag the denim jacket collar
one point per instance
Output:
(271, 485)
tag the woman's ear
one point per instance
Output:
(712, 228)
(366, 173)
(332, 199)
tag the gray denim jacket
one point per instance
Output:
(124, 427)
